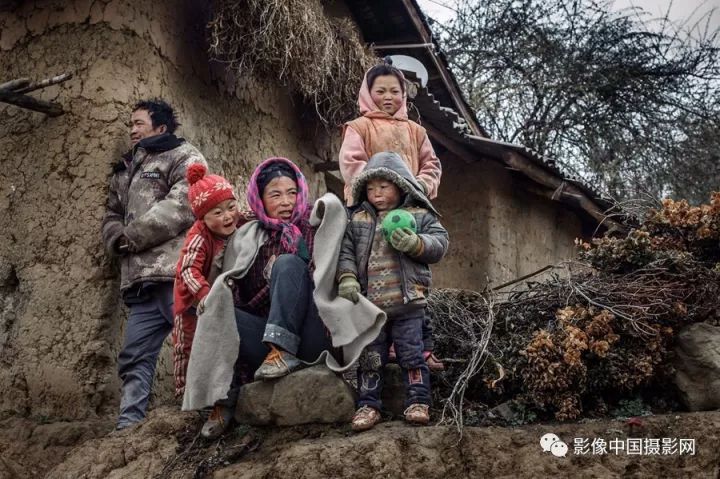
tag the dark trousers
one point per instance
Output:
(149, 322)
(293, 323)
(427, 332)
(406, 333)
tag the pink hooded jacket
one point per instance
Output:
(376, 131)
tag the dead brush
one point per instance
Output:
(559, 345)
(459, 312)
(597, 333)
(294, 41)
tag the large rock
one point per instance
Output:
(697, 366)
(312, 395)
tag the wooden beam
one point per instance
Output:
(14, 84)
(562, 190)
(30, 103)
(447, 79)
(12, 92)
(44, 83)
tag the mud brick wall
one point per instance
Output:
(61, 317)
(498, 230)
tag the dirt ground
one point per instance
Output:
(167, 446)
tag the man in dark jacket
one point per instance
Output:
(145, 220)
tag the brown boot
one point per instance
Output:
(218, 423)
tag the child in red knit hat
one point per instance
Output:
(217, 215)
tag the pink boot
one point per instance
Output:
(432, 361)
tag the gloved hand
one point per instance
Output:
(349, 288)
(405, 241)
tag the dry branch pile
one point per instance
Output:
(317, 56)
(597, 334)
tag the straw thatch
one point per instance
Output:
(319, 57)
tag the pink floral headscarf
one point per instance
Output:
(289, 230)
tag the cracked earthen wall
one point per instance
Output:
(498, 230)
(60, 315)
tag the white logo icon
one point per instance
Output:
(550, 442)
(559, 449)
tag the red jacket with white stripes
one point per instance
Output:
(195, 267)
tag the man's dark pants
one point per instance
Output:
(149, 323)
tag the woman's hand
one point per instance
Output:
(349, 288)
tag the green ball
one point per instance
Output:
(398, 219)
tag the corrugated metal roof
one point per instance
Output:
(451, 124)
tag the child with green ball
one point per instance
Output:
(393, 273)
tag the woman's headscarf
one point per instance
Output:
(289, 230)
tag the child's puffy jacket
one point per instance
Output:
(376, 131)
(358, 240)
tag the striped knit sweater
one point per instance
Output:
(384, 280)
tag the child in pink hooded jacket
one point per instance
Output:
(384, 126)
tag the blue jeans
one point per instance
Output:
(407, 334)
(149, 323)
(293, 323)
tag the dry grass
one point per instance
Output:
(320, 58)
(459, 312)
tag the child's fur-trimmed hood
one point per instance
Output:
(390, 166)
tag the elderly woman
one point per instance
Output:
(275, 314)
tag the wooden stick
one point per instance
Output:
(326, 166)
(45, 83)
(30, 103)
(562, 190)
(529, 275)
(14, 84)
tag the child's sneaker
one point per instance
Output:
(417, 414)
(432, 361)
(365, 418)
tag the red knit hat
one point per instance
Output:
(206, 191)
